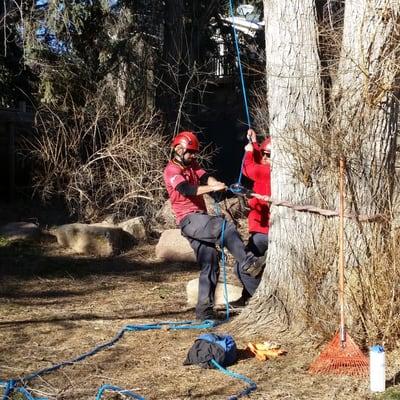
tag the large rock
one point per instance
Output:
(172, 246)
(135, 227)
(20, 231)
(192, 290)
(93, 239)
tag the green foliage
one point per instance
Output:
(392, 393)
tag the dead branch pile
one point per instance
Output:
(100, 161)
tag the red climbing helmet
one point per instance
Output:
(186, 139)
(266, 145)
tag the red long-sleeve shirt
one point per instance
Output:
(260, 174)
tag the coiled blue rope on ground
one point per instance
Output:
(11, 385)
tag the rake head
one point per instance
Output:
(341, 358)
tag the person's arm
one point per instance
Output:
(252, 136)
(249, 164)
(187, 189)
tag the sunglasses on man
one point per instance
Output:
(265, 154)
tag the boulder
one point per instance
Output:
(93, 239)
(172, 246)
(166, 216)
(135, 227)
(192, 290)
(20, 231)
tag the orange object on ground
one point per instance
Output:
(341, 356)
(265, 350)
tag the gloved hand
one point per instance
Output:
(251, 136)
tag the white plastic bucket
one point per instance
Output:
(377, 369)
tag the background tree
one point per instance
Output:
(16, 79)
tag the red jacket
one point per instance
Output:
(175, 174)
(260, 174)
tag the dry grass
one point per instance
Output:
(55, 305)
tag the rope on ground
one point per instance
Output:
(11, 384)
(251, 384)
(111, 388)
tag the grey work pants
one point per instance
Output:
(258, 245)
(203, 232)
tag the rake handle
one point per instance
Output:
(341, 248)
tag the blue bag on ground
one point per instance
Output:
(209, 346)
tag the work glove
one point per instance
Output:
(265, 350)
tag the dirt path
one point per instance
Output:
(55, 306)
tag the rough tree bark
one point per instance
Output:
(362, 127)
(365, 115)
(295, 105)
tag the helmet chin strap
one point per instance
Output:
(181, 159)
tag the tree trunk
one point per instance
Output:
(300, 275)
(366, 95)
(295, 105)
(174, 31)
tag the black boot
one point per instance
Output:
(254, 269)
(241, 301)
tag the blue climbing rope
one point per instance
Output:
(236, 40)
(217, 210)
(223, 262)
(10, 385)
(242, 82)
(111, 388)
(251, 384)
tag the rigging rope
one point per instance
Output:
(242, 81)
(236, 41)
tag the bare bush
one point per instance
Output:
(100, 161)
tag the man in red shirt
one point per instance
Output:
(186, 183)
(257, 167)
